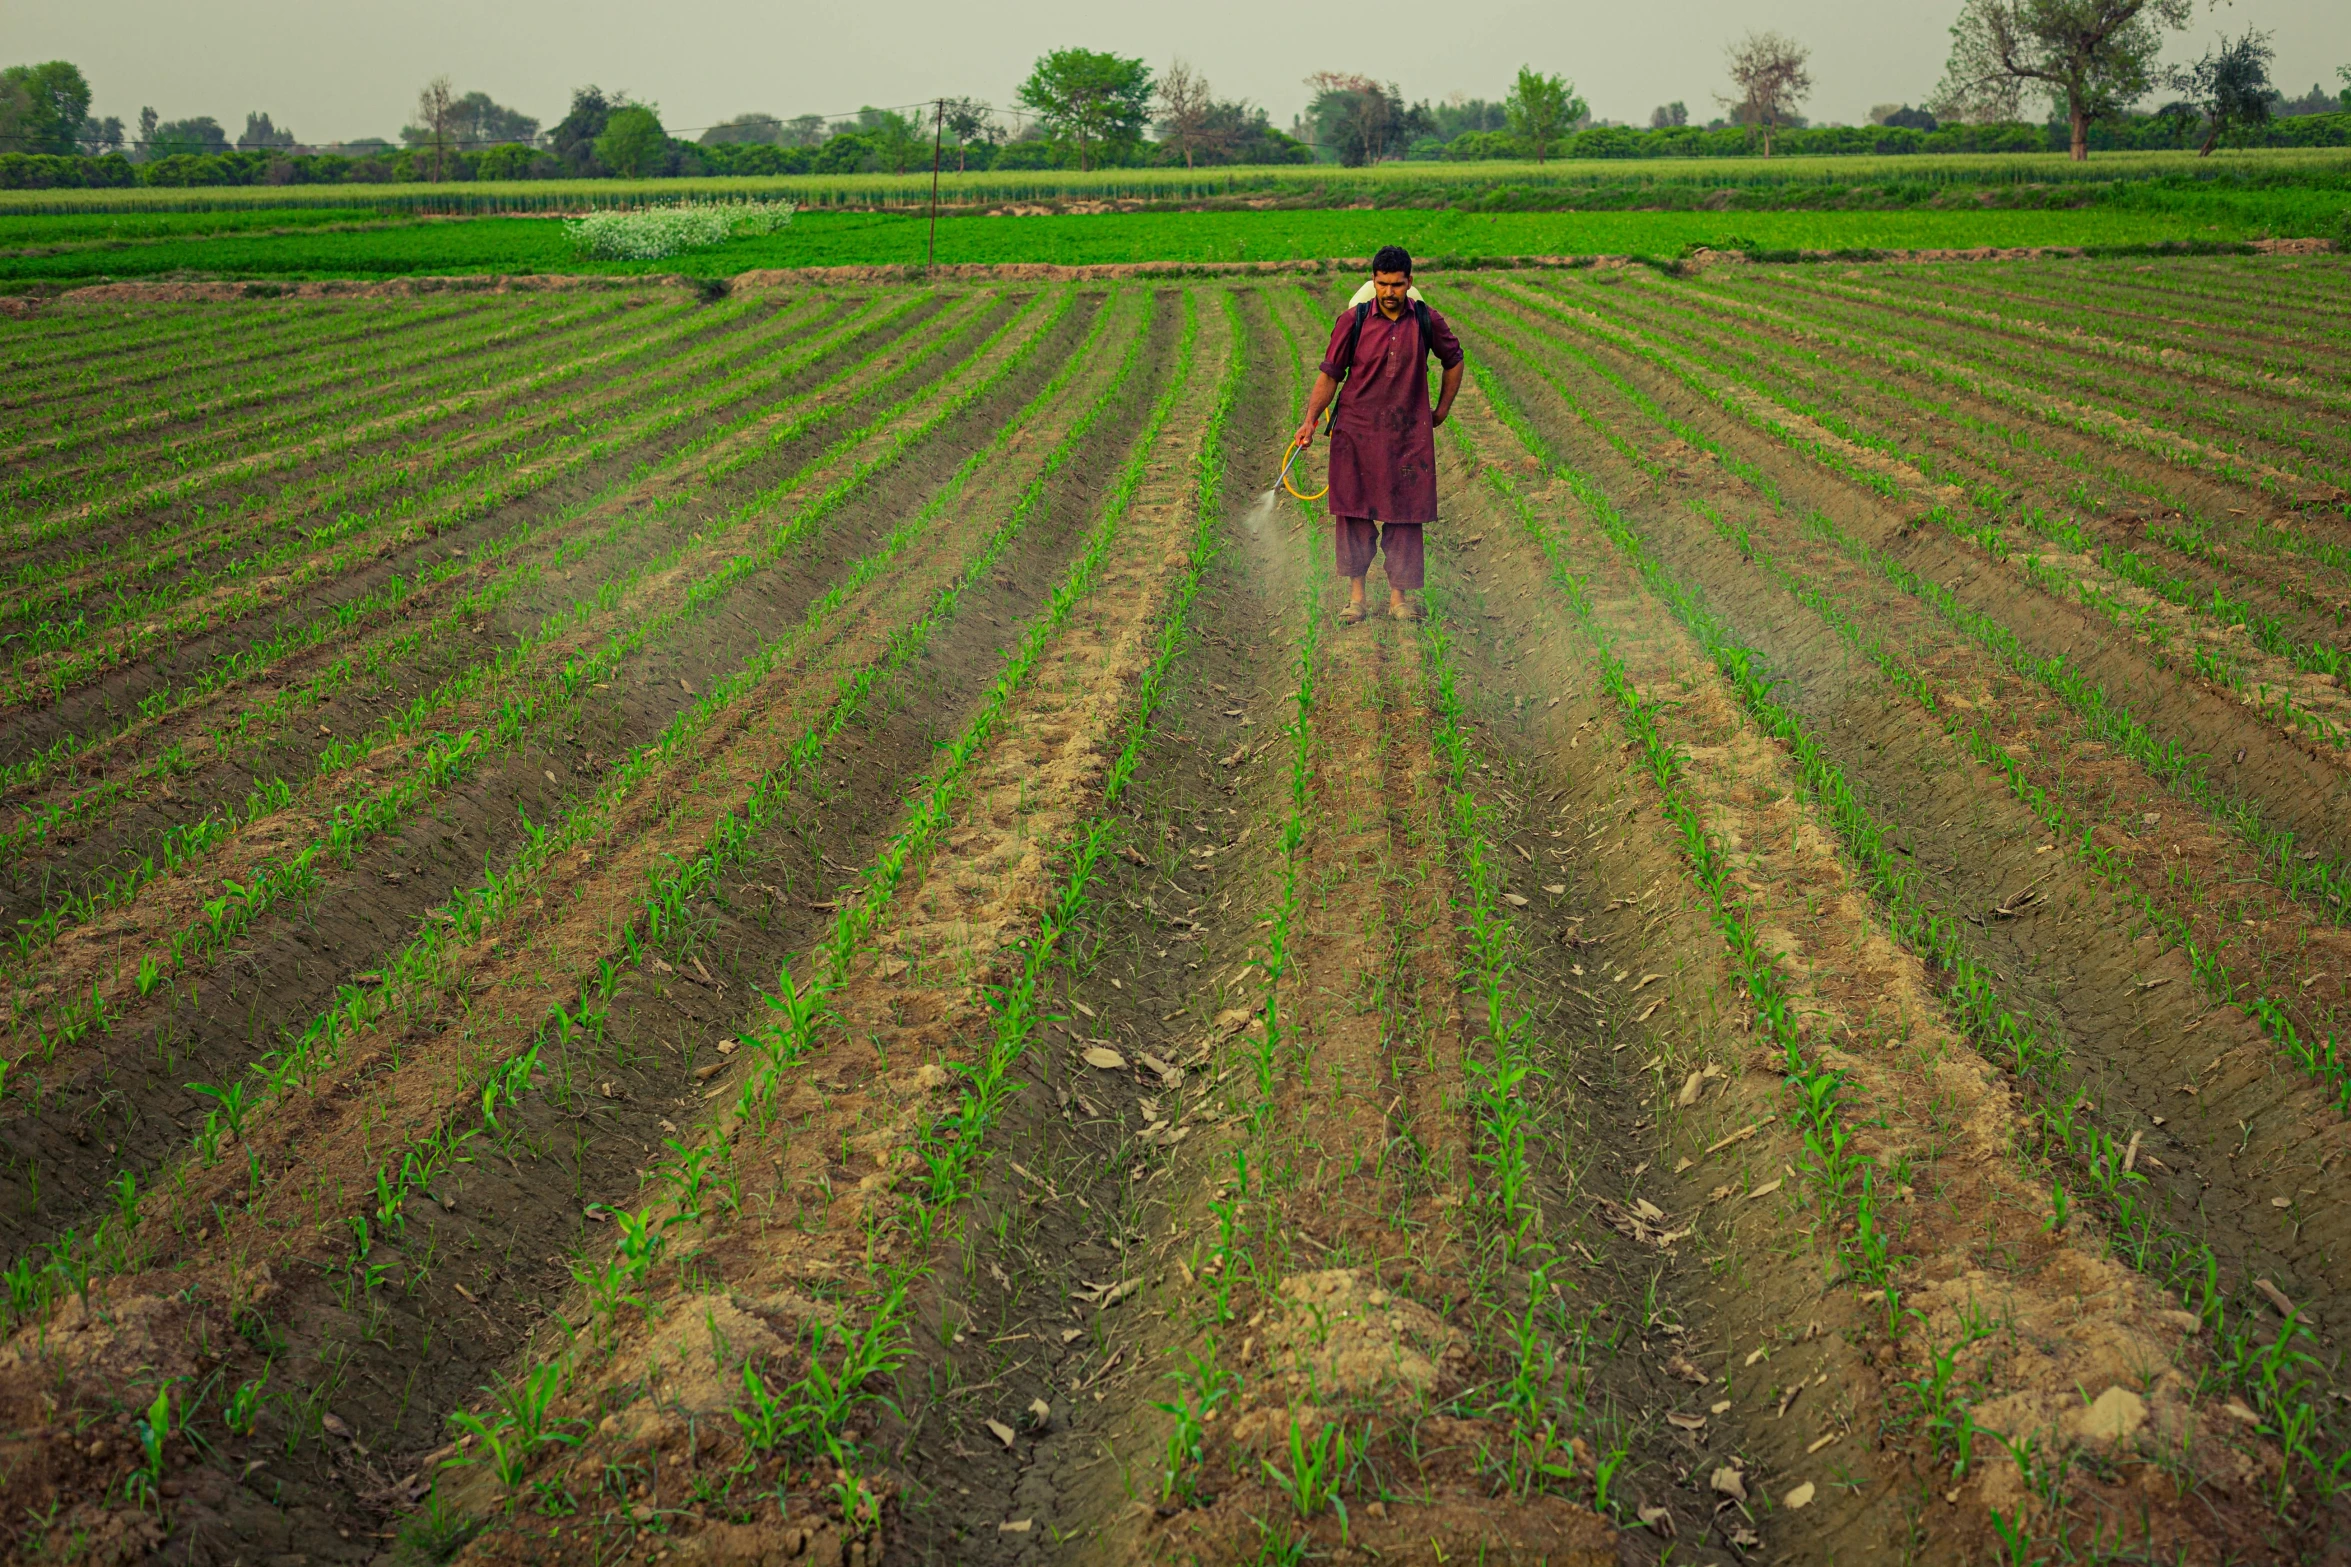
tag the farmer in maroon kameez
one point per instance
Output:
(1383, 441)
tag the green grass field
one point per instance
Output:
(534, 245)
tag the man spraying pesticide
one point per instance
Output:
(1383, 473)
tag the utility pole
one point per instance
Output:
(938, 137)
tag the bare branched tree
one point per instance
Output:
(1187, 112)
(2093, 58)
(1772, 74)
(436, 113)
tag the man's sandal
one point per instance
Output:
(1404, 611)
(1352, 615)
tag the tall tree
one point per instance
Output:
(100, 137)
(748, 129)
(1668, 116)
(16, 108)
(261, 136)
(42, 108)
(1097, 103)
(1241, 132)
(633, 144)
(969, 121)
(1542, 109)
(1186, 108)
(1772, 73)
(436, 116)
(573, 138)
(897, 143)
(481, 121)
(2093, 58)
(1361, 120)
(2231, 86)
(197, 136)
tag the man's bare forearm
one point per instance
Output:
(1316, 401)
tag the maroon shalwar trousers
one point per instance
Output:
(1359, 537)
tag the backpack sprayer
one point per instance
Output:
(1361, 304)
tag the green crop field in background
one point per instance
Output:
(20, 228)
(533, 245)
(1384, 184)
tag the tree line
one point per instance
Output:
(2092, 61)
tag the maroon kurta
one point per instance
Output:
(1383, 446)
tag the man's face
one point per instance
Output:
(1388, 288)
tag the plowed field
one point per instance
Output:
(786, 928)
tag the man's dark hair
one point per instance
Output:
(1393, 258)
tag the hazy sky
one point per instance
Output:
(332, 70)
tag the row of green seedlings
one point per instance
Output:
(2209, 968)
(1841, 1172)
(289, 382)
(2283, 1379)
(812, 1414)
(281, 389)
(149, 357)
(663, 913)
(2128, 294)
(2290, 349)
(2223, 460)
(2163, 359)
(2188, 534)
(545, 360)
(2187, 531)
(1206, 1387)
(210, 546)
(2315, 877)
(1994, 504)
(2317, 1055)
(444, 759)
(2104, 401)
(285, 541)
(664, 907)
(80, 355)
(470, 914)
(1957, 364)
(505, 1082)
(76, 355)
(337, 624)
(162, 405)
(1278, 958)
(442, 505)
(433, 509)
(128, 553)
(2191, 414)
(1542, 1424)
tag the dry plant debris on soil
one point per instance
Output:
(785, 928)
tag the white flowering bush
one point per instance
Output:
(650, 233)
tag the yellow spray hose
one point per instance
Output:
(1290, 461)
